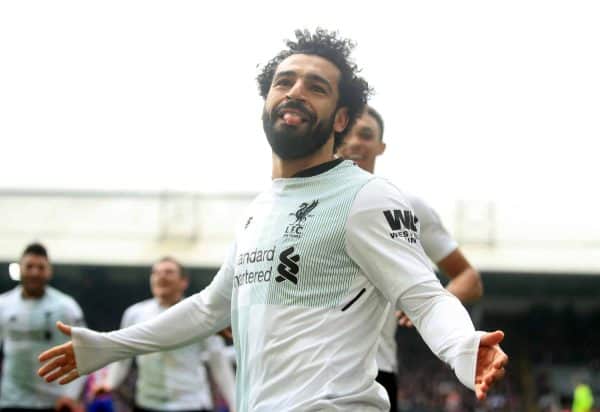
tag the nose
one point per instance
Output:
(351, 141)
(296, 92)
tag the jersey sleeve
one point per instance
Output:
(117, 371)
(382, 239)
(196, 317)
(215, 343)
(73, 315)
(435, 238)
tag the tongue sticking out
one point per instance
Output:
(292, 119)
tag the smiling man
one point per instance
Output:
(314, 266)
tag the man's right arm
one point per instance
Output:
(196, 317)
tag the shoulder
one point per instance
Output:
(416, 201)
(214, 343)
(62, 299)
(423, 210)
(142, 306)
(138, 309)
(10, 296)
(378, 192)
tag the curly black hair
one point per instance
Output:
(353, 89)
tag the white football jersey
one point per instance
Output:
(28, 328)
(305, 286)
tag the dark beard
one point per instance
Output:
(289, 142)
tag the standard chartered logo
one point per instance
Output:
(288, 269)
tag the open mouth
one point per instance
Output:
(354, 156)
(293, 113)
(292, 117)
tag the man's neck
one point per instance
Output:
(370, 167)
(288, 168)
(32, 295)
(168, 302)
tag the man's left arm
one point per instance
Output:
(381, 237)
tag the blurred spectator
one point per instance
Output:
(28, 313)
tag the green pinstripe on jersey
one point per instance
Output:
(325, 270)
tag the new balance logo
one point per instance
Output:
(401, 219)
(288, 268)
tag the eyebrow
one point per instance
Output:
(310, 76)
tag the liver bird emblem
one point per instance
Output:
(303, 211)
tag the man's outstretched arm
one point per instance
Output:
(475, 356)
(196, 317)
(381, 238)
(465, 281)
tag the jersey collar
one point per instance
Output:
(318, 169)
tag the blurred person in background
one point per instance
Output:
(174, 380)
(28, 314)
(363, 144)
(313, 267)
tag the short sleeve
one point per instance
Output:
(73, 313)
(215, 343)
(435, 238)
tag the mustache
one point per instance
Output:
(295, 105)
